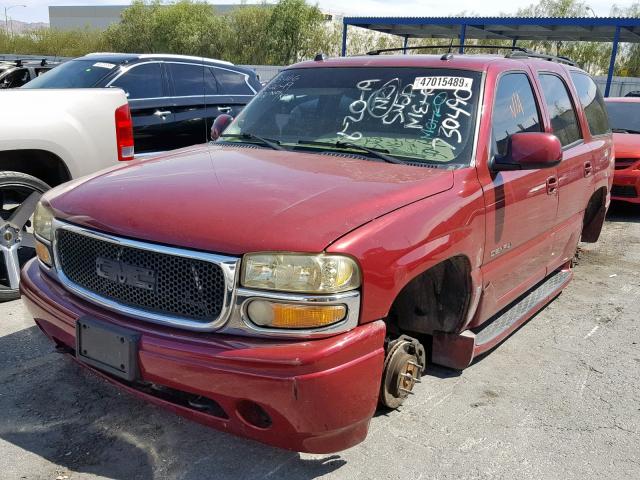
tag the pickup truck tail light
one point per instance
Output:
(124, 133)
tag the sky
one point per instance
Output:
(37, 10)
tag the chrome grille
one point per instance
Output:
(182, 287)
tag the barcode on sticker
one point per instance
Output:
(442, 83)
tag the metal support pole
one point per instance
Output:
(612, 62)
(513, 43)
(404, 45)
(344, 38)
(463, 32)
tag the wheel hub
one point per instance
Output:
(9, 235)
(404, 363)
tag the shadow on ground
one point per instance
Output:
(623, 212)
(66, 415)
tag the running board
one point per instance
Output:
(458, 350)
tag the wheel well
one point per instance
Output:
(594, 216)
(436, 300)
(41, 164)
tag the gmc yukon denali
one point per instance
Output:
(360, 218)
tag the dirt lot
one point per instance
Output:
(560, 399)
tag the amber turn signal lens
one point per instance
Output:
(43, 253)
(286, 315)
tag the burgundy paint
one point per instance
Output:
(396, 221)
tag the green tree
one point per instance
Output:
(184, 27)
(291, 27)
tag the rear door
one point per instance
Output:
(595, 112)
(520, 205)
(147, 91)
(576, 169)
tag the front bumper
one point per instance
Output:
(626, 186)
(320, 394)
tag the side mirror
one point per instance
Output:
(220, 124)
(528, 151)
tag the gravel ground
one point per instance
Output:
(558, 400)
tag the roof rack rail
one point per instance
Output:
(449, 48)
(19, 62)
(515, 52)
(543, 56)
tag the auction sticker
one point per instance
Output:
(442, 83)
(104, 65)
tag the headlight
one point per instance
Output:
(294, 272)
(43, 221)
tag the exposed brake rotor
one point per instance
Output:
(403, 366)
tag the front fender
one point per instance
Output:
(397, 247)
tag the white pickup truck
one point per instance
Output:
(48, 137)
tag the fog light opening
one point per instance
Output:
(253, 414)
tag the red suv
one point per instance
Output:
(624, 115)
(361, 217)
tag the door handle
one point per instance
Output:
(588, 168)
(226, 110)
(552, 185)
(162, 113)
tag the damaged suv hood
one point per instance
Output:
(240, 199)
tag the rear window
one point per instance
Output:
(564, 121)
(592, 102)
(74, 74)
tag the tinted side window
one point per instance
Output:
(16, 79)
(142, 81)
(592, 102)
(564, 121)
(210, 83)
(188, 80)
(515, 110)
(231, 83)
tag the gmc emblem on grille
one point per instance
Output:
(125, 274)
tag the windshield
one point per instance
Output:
(73, 74)
(624, 116)
(417, 115)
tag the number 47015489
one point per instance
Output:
(443, 83)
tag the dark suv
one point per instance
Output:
(16, 73)
(173, 98)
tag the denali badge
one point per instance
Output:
(125, 274)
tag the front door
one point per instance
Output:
(520, 205)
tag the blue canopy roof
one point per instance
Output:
(589, 29)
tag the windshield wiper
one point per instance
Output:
(624, 130)
(250, 136)
(376, 152)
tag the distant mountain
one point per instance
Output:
(17, 26)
